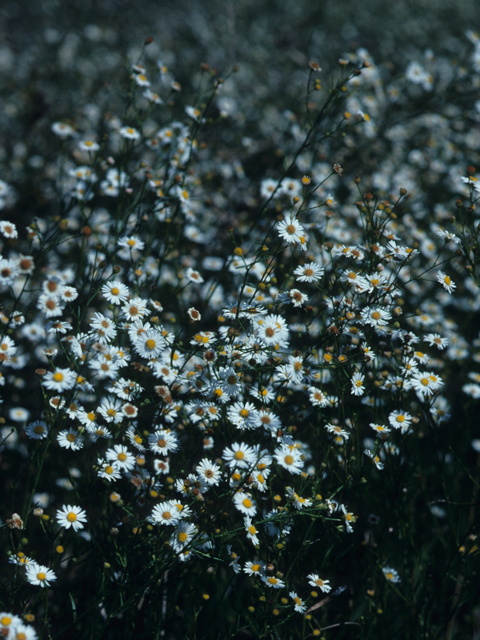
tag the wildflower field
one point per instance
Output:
(239, 320)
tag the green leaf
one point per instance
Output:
(74, 608)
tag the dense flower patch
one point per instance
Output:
(241, 393)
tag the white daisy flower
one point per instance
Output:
(71, 516)
(40, 576)
(245, 503)
(122, 456)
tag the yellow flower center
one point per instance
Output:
(71, 517)
(41, 576)
(122, 456)
(58, 377)
(247, 503)
(182, 536)
(288, 459)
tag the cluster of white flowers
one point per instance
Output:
(227, 430)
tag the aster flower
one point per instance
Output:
(348, 518)
(337, 431)
(274, 583)
(108, 470)
(310, 272)
(381, 430)
(165, 513)
(251, 530)
(129, 132)
(62, 129)
(255, 568)
(71, 516)
(193, 276)
(314, 580)
(39, 576)
(391, 575)
(89, 145)
(8, 229)
(375, 458)
(209, 472)
(300, 605)
(163, 442)
(104, 328)
(425, 383)
(245, 503)
(69, 439)
(290, 230)
(37, 430)
(400, 420)
(149, 344)
(358, 388)
(242, 415)
(131, 243)
(135, 309)
(376, 317)
(289, 458)
(183, 535)
(297, 298)
(50, 305)
(437, 340)
(122, 456)
(446, 282)
(115, 292)
(7, 348)
(318, 398)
